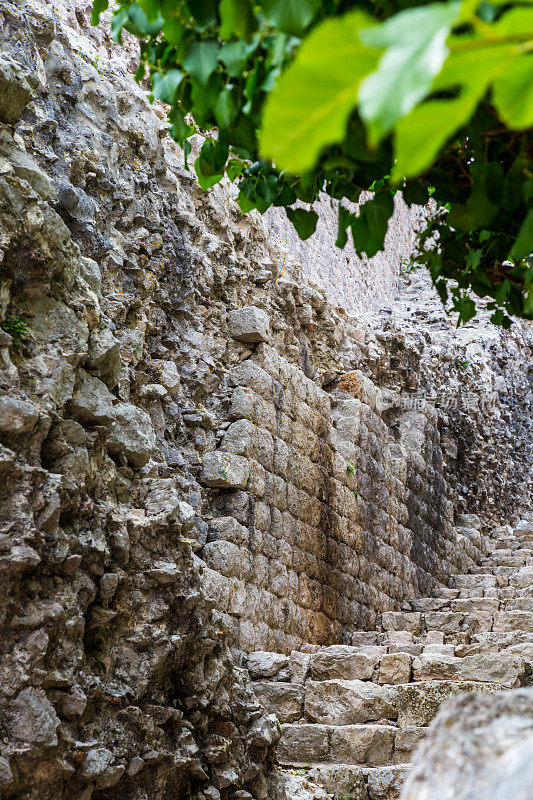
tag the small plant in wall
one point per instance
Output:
(351, 470)
(17, 329)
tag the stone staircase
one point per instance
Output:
(353, 714)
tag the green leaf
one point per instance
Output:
(203, 11)
(235, 167)
(246, 204)
(187, 147)
(215, 154)
(179, 129)
(513, 93)
(173, 30)
(345, 219)
(117, 23)
(234, 56)
(164, 85)
(203, 99)
(290, 16)
(139, 24)
(421, 134)
(206, 177)
(415, 42)
(201, 61)
(237, 18)
(304, 221)
(314, 97)
(370, 227)
(227, 106)
(523, 245)
(99, 6)
(415, 192)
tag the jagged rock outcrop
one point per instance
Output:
(200, 456)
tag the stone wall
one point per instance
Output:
(326, 518)
(184, 478)
(355, 282)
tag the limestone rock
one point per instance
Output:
(132, 434)
(15, 90)
(339, 702)
(261, 664)
(285, 700)
(34, 718)
(93, 402)
(17, 416)
(225, 470)
(395, 668)
(249, 324)
(104, 356)
(341, 661)
(477, 748)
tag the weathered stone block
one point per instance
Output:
(17, 416)
(226, 558)
(261, 664)
(509, 669)
(418, 703)
(249, 324)
(371, 745)
(93, 402)
(225, 470)
(132, 434)
(303, 744)
(406, 742)
(15, 90)
(338, 702)
(343, 662)
(395, 668)
(285, 700)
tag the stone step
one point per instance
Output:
(446, 622)
(418, 703)
(341, 702)
(363, 745)
(507, 669)
(348, 782)
(472, 581)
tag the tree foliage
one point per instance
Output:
(295, 97)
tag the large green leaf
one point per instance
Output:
(421, 134)
(310, 106)
(415, 50)
(513, 93)
(237, 18)
(210, 164)
(201, 60)
(227, 106)
(304, 221)
(370, 227)
(164, 85)
(523, 245)
(290, 16)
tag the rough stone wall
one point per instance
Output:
(357, 283)
(179, 474)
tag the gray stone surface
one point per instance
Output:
(132, 434)
(249, 324)
(478, 747)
